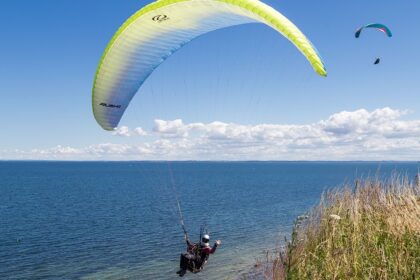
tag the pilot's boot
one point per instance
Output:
(181, 272)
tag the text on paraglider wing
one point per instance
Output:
(110, 105)
(160, 18)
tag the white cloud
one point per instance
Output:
(126, 132)
(381, 134)
(140, 132)
(175, 128)
(122, 131)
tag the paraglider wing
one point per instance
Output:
(156, 31)
(378, 26)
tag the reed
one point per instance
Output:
(367, 231)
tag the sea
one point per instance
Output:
(121, 220)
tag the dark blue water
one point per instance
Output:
(118, 220)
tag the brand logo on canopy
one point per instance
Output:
(160, 18)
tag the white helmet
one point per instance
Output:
(205, 240)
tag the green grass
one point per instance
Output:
(369, 231)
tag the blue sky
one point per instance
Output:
(242, 77)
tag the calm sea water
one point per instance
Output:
(118, 220)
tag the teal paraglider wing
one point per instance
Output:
(379, 26)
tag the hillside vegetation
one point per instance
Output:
(367, 231)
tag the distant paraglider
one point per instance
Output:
(381, 27)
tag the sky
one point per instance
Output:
(241, 93)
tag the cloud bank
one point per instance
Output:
(381, 134)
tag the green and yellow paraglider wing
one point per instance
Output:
(156, 31)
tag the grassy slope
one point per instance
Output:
(370, 231)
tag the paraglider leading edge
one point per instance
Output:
(168, 29)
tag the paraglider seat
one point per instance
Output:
(191, 262)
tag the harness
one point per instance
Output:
(200, 258)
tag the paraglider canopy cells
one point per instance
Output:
(159, 29)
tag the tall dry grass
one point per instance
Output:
(367, 231)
